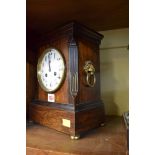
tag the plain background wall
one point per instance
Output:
(114, 65)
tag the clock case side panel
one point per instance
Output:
(87, 44)
(79, 53)
(83, 46)
(89, 109)
(88, 52)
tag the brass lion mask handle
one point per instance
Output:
(90, 73)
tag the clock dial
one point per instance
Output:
(50, 70)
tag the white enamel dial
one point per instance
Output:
(50, 70)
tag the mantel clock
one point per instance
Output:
(68, 72)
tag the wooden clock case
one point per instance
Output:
(77, 107)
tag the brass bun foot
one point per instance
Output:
(75, 137)
(102, 124)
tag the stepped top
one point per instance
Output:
(73, 29)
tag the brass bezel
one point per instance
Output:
(39, 70)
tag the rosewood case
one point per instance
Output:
(77, 107)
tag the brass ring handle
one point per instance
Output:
(90, 82)
(89, 70)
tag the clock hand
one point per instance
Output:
(49, 62)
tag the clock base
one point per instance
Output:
(63, 117)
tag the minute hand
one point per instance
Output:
(49, 62)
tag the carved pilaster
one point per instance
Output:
(73, 70)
